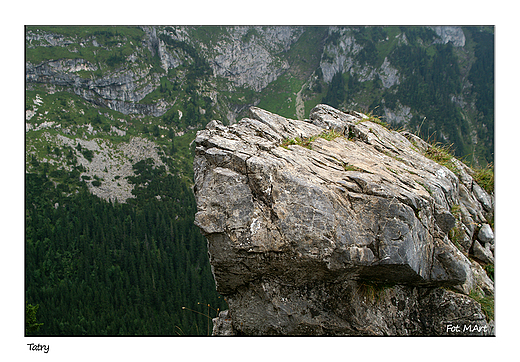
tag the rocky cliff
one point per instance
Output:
(336, 225)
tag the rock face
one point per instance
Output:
(453, 34)
(120, 91)
(345, 233)
(246, 60)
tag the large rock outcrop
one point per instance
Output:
(338, 226)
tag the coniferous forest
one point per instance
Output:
(95, 267)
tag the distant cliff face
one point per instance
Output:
(398, 72)
(160, 83)
(453, 34)
(245, 56)
(337, 226)
(248, 56)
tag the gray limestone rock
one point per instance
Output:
(485, 234)
(444, 313)
(252, 63)
(483, 197)
(483, 253)
(222, 325)
(453, 34)
(481, 279)
(297, 230)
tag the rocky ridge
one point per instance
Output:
(120, 91)
(336, 225)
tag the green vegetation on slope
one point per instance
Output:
(101, 268)
(431, 83)
(304, 58)
(105, 46)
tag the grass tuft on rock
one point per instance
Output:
(485, 177)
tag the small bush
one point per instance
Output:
(490, 271)
(485, 177)
(487, 303)
(373, 291)
(443, 155)
(301, 141)
(307, 141)
(377, 120)
(439, 153)
(330, 135)
(348, 167)
(88, 154)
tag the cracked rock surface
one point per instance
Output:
(344, 234)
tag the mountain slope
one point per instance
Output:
(190, 75)
(111, 115)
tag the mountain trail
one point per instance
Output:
(300, 106)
